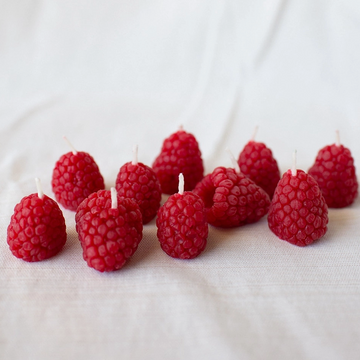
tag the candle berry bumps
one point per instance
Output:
(298, 211)
(37, 228)
(180, 153)
(109, 228)
(182, 226)
(335, 173)
(75, 176)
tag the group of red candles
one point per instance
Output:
(110, 222)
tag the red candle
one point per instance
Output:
(257, 162)
(298, 211)
(110, 229)
(335, 172)
(75, 176)
(232, 199)
(180, 153)
(182, 226)
(138, 181)
(37, 228)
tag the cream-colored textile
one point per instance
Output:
(111, 74)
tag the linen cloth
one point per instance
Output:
(111, 74)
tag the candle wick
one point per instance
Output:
(254, 133)
(181, 184)
(114, 203)
(181, 128)
(233, 161)
(293, 169)
(39, 188)
(135, 155)
(71, 145)
(337, 138)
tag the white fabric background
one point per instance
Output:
(111, 74)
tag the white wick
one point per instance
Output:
(135, 155)
(181, 128)
(71, 145)
(293, 169)
(337, 138)
(254, 133)
(181, 184)
(233, 161)
(114, 203)
(39, 188)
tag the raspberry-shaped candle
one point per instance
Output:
(110, 229)
(334, 170)
(75, 176)
(232, 199)
(298, 211)
(139, 182)
(257, 162)
(180, 153)
(37, 228)
(182, 226)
